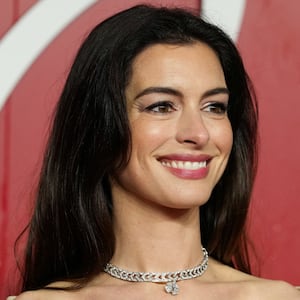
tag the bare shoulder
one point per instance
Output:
(251, 287)
(45, 295)
(32, 295)
(273, 290)
(50, 294)
(62, 291)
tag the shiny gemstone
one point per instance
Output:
(172, 288)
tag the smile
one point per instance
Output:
(184, 165)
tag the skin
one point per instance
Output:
(156, 215)
(147, 195)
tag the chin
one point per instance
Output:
(187, 202)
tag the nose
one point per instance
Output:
(191, 128)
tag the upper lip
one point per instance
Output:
(186, 157)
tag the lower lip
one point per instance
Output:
(188, 174)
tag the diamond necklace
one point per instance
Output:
(170, 278)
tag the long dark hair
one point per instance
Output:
(71, 234)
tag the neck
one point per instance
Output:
(151, 238)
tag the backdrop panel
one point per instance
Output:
(267, 33)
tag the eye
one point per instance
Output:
(161, 107)
(217, 108)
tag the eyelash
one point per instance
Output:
(219, 106)
(216, 108)
(154, 108)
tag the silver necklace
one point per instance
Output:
(170, 278)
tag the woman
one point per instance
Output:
(156, 120)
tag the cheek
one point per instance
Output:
(147, 136)
(223, 137)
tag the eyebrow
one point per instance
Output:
(216, 91)
(158, 90)
(174, 92)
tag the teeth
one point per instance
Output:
(174, 165)
(187, 165)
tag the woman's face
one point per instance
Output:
(181, 135)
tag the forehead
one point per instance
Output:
(179, 65)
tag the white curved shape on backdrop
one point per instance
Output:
(30, 36)
(226, 14)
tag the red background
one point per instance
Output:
(270, 45)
